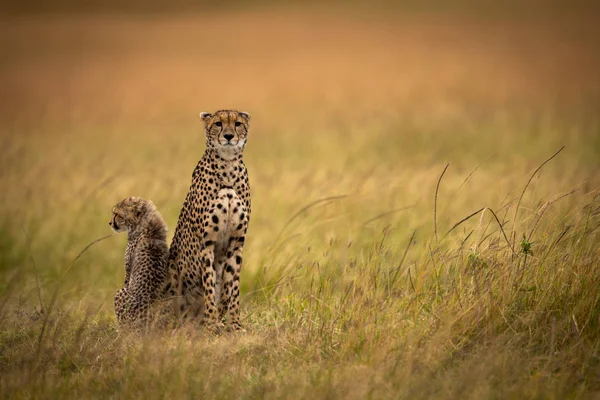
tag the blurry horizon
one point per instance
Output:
(513, 7)
(127, 67)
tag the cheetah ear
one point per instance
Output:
(205, 116)
(139, 209)
(245, 115)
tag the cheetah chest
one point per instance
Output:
(228, 217)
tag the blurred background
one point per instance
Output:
(110, 62)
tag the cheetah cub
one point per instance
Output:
(146, 259)
(206, 251)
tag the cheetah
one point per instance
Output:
(206, 252)
(146, 259)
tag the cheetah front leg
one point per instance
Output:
(231, 283)
(209, 279)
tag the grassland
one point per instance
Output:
(363, 276)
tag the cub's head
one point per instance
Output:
(128, 213)
(226, 131)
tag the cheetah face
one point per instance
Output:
(127, 214)
(226, 131)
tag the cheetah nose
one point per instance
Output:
(228, 136)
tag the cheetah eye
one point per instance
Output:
(238, 123)
(218, 123)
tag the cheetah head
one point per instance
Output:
(226, 131)
(127, 214)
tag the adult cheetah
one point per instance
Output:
(146, 259)
(206, 251)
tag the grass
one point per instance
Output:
(372, 268)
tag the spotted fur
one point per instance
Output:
(146, 259)
(206, 251)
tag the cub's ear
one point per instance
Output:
(205, 116)
(245, 115)
(139, 209)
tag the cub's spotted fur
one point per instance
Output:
(146, 259)
(206, 252)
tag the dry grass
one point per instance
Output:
(347, 291)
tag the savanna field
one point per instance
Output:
(418, 229)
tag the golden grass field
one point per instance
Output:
(353, 286)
